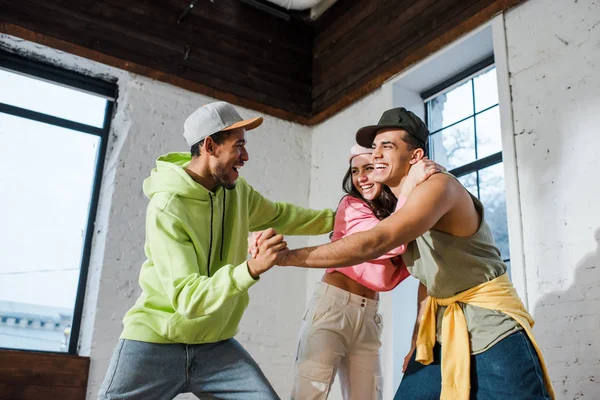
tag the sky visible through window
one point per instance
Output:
(47, 175)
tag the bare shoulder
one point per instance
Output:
(444, 184)
(462, 218)
(450, 197)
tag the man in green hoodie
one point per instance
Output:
(178, 337)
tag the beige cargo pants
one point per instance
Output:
(341, 333)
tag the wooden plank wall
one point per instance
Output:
(295, 70)
(33, 376)
(233, 48)
(361, 43)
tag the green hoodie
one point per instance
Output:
(195, 280)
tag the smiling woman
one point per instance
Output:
(53, 129)
(341, 328)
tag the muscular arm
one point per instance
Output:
(427, 204)
(421, 300)
(354, 216)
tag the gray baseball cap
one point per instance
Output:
(215, 117)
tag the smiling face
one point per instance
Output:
(362, 174)
(392, 156)
(228, 157)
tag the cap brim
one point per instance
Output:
(247, 124)
(366, 135)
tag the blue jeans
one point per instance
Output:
(508, 370)
(222, 370)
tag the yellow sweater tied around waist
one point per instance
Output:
(498, 294)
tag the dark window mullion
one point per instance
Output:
(451, 125)
(439, 88)
(463, 120)
(430, 145)
(108, 114)
(50, 73)
(477, 165)
(87, 246)
(51, 120)
(486, 109)
(474, 119)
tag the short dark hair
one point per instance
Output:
(383, 206)
(415, 143)
(218, 138)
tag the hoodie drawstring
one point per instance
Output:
(211, 235)
(223, 224)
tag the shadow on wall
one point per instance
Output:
(567, 329)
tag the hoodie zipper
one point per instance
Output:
(211, 233)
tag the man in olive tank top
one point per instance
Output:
(472, 335)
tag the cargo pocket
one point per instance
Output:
(377, 387)
(312, 381)
(318, 308)
(323, 308)
(379, 324)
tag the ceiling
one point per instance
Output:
(250, 52)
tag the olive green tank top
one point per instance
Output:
(448, 264)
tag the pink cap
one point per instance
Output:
(357, 150)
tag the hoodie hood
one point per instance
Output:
(170, 176)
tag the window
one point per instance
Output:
(464, 121)
(54, 128)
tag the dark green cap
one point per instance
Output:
(399, 118)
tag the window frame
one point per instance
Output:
(446, 86)
(39, 70)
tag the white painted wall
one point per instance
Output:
(554, 64)
(147, 123)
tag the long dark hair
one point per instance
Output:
(383, 206)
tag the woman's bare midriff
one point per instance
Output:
(341, 281)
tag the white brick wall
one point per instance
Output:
(554, 63)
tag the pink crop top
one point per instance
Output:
(382, 274)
